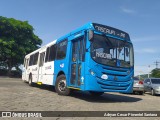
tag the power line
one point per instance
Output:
(149, 65)
(156, 63)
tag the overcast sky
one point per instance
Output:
(53, 18)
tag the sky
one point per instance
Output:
(52, 19)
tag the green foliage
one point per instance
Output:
(3, 72)
(143, 76)
(156, 73)
(13, 73)
(16, 40)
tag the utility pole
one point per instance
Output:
(156, 63)
(148, 70)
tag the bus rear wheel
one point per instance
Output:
(96, 93)
(61, 86)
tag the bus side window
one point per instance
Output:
(61, 50)
(31, 60)
(52, 52)
(41, 59)
(47, 55)
(35, 58)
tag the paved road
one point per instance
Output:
(15, 95)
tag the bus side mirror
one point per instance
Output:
(91, 35)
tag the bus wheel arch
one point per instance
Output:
(60, 73)
(61, 84)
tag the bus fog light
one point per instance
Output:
(104, 76)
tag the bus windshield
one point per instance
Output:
(112, 52)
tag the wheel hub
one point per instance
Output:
(62, 85)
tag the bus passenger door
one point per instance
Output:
(41, 63)
(77, 62)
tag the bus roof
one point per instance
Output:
(110, 31)
(43, 47)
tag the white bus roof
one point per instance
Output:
(43, 47)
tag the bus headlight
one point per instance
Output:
(104, 76)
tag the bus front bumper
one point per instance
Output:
(94, 83)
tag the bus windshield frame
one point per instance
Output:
(112, 51)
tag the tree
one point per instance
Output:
(16, 40)
(156, 73)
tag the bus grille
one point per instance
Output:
(113, 85)
(118, 79)
(115, 72)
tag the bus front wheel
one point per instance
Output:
(61, 86)
(96, 93)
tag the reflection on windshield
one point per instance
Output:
(110, 51)
(155, 81)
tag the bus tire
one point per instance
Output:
(61, 87)
(30, 80)
(96, 93)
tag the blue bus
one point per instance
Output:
(94, 58)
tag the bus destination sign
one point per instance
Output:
(111, 31)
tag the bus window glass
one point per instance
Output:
(61, 50)
(35, 58)
(110, 51)
(47, 55)
(81, 50)
(31, 60)
(74, 52)
(41, 59)
(52, 53)
(120, 54)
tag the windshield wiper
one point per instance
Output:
(107, 40)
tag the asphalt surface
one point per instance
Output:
(16, 95)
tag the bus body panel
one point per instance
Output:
(43, 74)
(65, 64)
(34, 71)
(47, 73)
